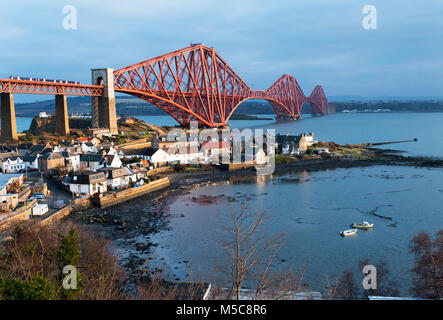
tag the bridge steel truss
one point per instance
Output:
(195, 83)
(52, 88)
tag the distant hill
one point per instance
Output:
(131, 106)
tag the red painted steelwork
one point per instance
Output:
(38, 87)
(195, 83)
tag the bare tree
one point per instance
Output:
(250, 255)
(348, 289)
(428, 268)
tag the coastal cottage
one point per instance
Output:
(187, 155)
(91, 161)
(287, 144)
(12, 164)
(88, 147)
(49, 161)
(156, 157)
(36, 149)
(213, 150)
(31, 162)
(137, 170)
(111, 161)
(88, 183)
(72, 160)
(115, 177)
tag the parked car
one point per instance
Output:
(58, 204)
(38, 196)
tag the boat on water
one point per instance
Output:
(364, 225)
(350, 232)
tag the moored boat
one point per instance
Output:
(350, 232)
(364, 225)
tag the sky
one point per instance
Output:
(317, 41)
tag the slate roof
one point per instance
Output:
(147, 151)
(91, 157)
(88, 177)
(51, 156)
(112, 173)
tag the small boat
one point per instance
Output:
(350, 232)
(364, 225)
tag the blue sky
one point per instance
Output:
(318, 41)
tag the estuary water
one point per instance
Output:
(311, 208)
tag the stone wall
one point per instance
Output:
(21, 214)
(104, 201)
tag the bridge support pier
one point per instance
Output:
(103, 108)
(61, 115)
(9, 126)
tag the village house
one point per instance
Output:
(72, 160)
(156, 157)
(107, 150)
(12, 164)
(213, 150)
(116, 177)
(173, 141)
(88, 147)
(36, 149)
(49, 161)
(91, 161)
(137, 170)
(88, 183)
(187, 155)
(286, 144)
(8, 201)
(31, 162)
(111, 161)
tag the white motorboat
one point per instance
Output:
(364, 225)
(350, 232)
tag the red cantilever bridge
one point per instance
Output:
(193, 83)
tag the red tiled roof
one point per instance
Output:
(216, 145)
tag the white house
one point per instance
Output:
(12, 165)
(31, 162)
(88, 183)
(115, 177)
(88, 147)
(214, 149)
(155, 156)
(72, 160)
(111, 161)
(187, 156)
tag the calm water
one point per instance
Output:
(356, 128)
(311, 209)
